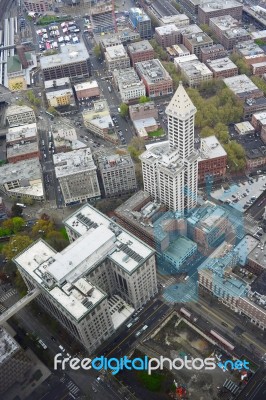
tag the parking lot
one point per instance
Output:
(242, 195)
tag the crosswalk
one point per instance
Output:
(72, 387)
(2, 308)
(8, 294)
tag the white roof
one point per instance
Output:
(180, 105)
(211, 148)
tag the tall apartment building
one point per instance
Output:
(167, 35)
(20, 115)
(140, 51)
(212, 160)
(116, 57)
(14, 363)
(77, 176)
(155, 77)
(140, 22)
(94, 285)
(73, 61)
(128, 84)
(213, 9)
(195, 42)
(117, 174)
(170, 170)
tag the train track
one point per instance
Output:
(5, 6)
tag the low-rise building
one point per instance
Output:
(64, 136)
(180, 253)
(117, 174)
(38, 6)
(129, 84)
(99, 121)
(116, 57)
(24, 179)
(85, 90)
(61, 97)
(189, 30)
(140, 51)
(77, 176)
(212, 52)
(228, 31)
(22, 134)
(243, 87)
(145, 126)
(20, 152)
(196, 41)
(212, 9)
(207, 226)
(250, 51)
(180, 50)
(15, 74)
(222, 67)
(188, 58)
(244, 128)
(258, 35)
(167, 35)
(178, 20)
(258, 120)
(22, 143)
(143, 110)
(258, 69)
(95, 284)
(123, 36)
(155, 77)
(212, 160)
(195, 72)
(20, 115)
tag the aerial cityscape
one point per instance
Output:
(132, 200)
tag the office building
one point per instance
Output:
(189, 30)
(213, 9)
(77, 176)
(98, 121)
(228, 31)
(193, 5)
(195, 72)
(20, 115)
(212, 52)
(73, 61)
(140, 51)
(94, 285)
(212, 160)
(178, 20)
(124, 36)
(167, 35)
(140, 22)
(14, 363)
(207, 226)
(85, 90)
(143, 110)
(170, 170)
(197, 41)
(155, 77)
(22, 143)
(128, 84)
(64, 137)
(258, 69)
(117, 174)
(24, 179)
(116, 57)
(38, 6)
(222, 67)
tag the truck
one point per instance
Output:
(109, 88)
(21, 205)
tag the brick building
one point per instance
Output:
(217, 9)
(212, 161)
(85, 90)
(228, 31)
(258, 69)
(22, 143)
(144, 110)
(116, 57)
(167, 35)
(222, 67)
(140, 51)
(195, 42)
(212, 52)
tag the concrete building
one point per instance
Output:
(73, 61)
(167, 35)
(20, 115)
(189, 30)
(94, 285)
(15, 74)
(14, 363)
(180, 253)
(38, 6)
(60, 98)
(222, 67)
(22, 143)
(143, 110)
(140, 51)
(213, 9)
(193, 5)
(99, 121)
(259, 120)
(212, 52)
(155, 77)
(123, 36)
(117, 174)
(64, 137)
(228, 31)
(243, 87)
(128, 84)
(212, 160)
(195, 72)
(116, 57)
(178, 20)
(195, 42)
(20, 152)
(250, 51)
(85, 90)
(187, 58)
(207, 226)
(170, 170)
(77, 176)
(23, 179)
(180, 50)
(22, 134)
(143, 127)
(140, 22)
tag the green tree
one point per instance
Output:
(42, 228)
(123, 110)
(16, 210)
(143, 99)
(98, 51)
(18, 224)
(56, 240)
(260, 83)
(243, 67)
(16, 245)
(136, 147)
(206, 131)
(52, 110)
(20, 284)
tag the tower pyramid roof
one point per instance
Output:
(180, 105)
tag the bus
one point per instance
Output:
(21, 205)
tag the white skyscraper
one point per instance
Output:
(170, 170)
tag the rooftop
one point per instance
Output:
(258, 34)
(68, 55)
(13, 64)
(139, 13)
(180, 49)
(14, 110)
(114, 52)
(86, 85)
(19, 149)
(258, 254)
(23, 171)
(207, 216)
(142, 45)
(218, 5)
(55, 94)
(180, 105)
(245, 247)
(153, 71)
(211, 148)
(166, 29)
(244, 127)
(179, 19)
(248, 48)
(221, 64)
(194, 69)
(8, 346)
(180, 248)
(55, 83)
(213, 48)
(21, 133)
(225, 22)
(240, 84)
(126, 78)
(114, 162)
(187, 58)
(261, 116)
(190, 29)
(199, 38)
(73, 162)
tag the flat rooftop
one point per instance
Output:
(20, 149)
(14, 110)
(137, 47)
(73, 162)
(248, 48)
(221, 64)
(70, 54)
(181, 19)
(244, 127)
(240, 84)
(211, 148)
(114, 161)
(207, 216)
(258, 34)
(59, 93)
(245, 247)
(225, 22)
(190, 29)
(211, 6)
(166, 29)
(86, 85)
(213, 48)
(194, 68)
(8, 346)
(257, 255)
(199, 38)
(23, 132)
(261, 116)
(153, 71)
(180, 248)
(54, 83)
(186, 58)
(23, 171)
(114, 52)
(126, 78)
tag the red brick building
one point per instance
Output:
(258, 69)
(212, 161)
(212, 52)
(218, 9)
(167, 35)
(222, 67)
(85, 90)
(140, 51)
(144, 110)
